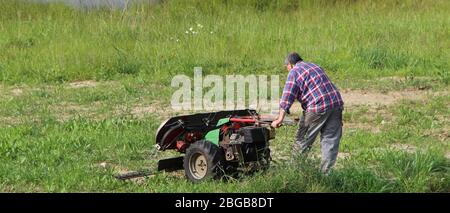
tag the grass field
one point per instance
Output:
(82, 91)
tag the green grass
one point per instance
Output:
(43, 43)
(54, 136)
(51, 155)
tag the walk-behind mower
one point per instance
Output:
(216, 144)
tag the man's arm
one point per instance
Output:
(290, 92)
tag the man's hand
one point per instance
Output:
(276, 123)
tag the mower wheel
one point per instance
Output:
(266, 158)
(202, 161)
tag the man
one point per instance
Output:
(322, 108)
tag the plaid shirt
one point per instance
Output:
(309, 84)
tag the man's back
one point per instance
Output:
(308, 83)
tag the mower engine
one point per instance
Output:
(247, 148)
(215, 144)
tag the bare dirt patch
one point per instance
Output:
(82, 84)
(441, 134)
(353, 127)
(9, 121)
(64, 111)
(362, 97)
(278, 156)
(375, 98)
(369, 109)
(13, 91)
(371, 118)
(177, 174)
(17, 91)
(404, 78)
(141, 110)
(119, 170)
(343, 155)
(404, 147)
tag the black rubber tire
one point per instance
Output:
(212, 154)
(267, 158)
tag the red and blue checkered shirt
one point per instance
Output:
(308, 83)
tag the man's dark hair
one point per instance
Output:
(292, 58)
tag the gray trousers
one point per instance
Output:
(329, 124)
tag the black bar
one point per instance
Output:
(224, 201)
